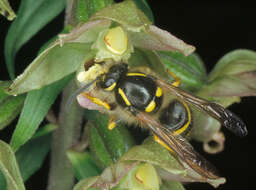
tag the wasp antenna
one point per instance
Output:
(77, 92)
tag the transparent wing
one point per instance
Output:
(224, 116)
(180, 146)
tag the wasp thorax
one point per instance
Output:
(110, 79)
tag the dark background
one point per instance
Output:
(214, 28)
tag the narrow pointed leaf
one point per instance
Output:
(107, 146)
(145, 8)
(9, 168)
(124, 13)
(10, 106)
(50, 66)
(6, 10)
(32, 16)
(30, 157)
(36, 106)
(82, 164)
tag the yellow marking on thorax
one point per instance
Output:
(159, 92)
(122, 94)
(136, 74)
(110, 88)
(151, 106)
(182, 129)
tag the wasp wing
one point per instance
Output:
(224, 116)
(180, 146)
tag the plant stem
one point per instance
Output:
(61, 176)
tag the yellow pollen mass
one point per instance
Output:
(116, 40)
(151, 106)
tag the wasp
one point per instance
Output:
(142, 98)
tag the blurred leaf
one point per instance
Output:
(30, 157)
(171, 185)
(32, 16)
(35, 108)
(6, 10)
(145, 8)
(2, 181)
(86, 183)
(10, 106)
(124, 13)
(107, 146)
(189, 69)
(3, 86)
(233, 63)
(82, 10)
(82, 164)
(233, 75)
(50, 66)
(45, 130)
(154, 38)
(9, 168)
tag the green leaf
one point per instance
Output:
(10, 106)
(171, 185)
(2, 181)
(154, 38)
(189, 69)
(86, 183)
(107, 146)
(124, 13)
(6, 10)
(151, 152)
(82, 164)
(233, 75)
(35, 108)
(30, 157)
(9, 168)
(234, 62)
(108, 179)
(50, 66)
(145, 58)
(32, 16)
(144, 7)
(170, 167)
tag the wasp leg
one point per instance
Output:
(177, 80)
(158, 140)
(97, 101)
(112, 122)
